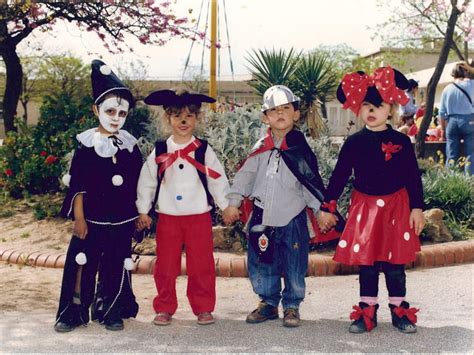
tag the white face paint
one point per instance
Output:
(112, 113)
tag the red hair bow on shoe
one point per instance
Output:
(355, 85)
(368, 315)
(389, 149)
(410, 313)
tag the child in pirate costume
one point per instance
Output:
(101, 200)
(385, 215)
(180, 180)
(281, 177)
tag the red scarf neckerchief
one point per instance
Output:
(167, 159)
(268, 144)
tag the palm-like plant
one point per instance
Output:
(315, 82)
(311, 77)
(272, 67)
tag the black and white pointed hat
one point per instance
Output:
(104, 81)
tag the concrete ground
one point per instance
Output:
(445, 321)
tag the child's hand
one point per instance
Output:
(80, 228)
(326, 221)
(143, 221)
(417, 220)
(230, 215)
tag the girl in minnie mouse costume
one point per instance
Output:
(385, 215)
(101, 200)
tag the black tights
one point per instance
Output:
(395, 279)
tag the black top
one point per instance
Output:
(362, 155)
(104, 202)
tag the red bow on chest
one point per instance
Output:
(390, 149)
(167, 159)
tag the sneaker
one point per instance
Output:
(115, 324)
(162, 318)
(291, 317)
(262, 313)
(205, 318)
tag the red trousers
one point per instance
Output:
(195, 233)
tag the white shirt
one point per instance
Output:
(181, 191)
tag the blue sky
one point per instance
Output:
(302, 24)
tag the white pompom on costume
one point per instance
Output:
(66, 179)
(105, 69)
(117, 180)
(128, 264)
(81, 258)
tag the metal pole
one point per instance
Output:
(212, 79)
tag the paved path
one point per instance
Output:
(445, 296)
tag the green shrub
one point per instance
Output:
(451, 191)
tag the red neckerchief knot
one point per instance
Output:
(367, 313)
(410, 313)
(331, 206)
(167, 159)
(390, 149)
(268, 144)
(355, 85)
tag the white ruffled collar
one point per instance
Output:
(103, 145)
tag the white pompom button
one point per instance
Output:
(105, 69)
(66, 179)
(342, 244)
(117, 180)
(81, 258)
(380, 202)
(128, 264)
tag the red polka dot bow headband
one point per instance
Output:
(355, 87)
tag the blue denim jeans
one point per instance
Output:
(460, 126)
(290, 260)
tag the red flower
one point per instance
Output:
(43, 153)
(51, 159)
(9, 172)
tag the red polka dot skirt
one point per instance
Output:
(378, 229)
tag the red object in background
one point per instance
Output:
(420, 112)
(51, 159)
(43, 153)
(413, 130)
(9, 172)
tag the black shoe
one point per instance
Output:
(404, 317)
(114, 324)
(263, 313)
(291, 318)
(63, 327)
(361, 316)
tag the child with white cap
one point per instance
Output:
(281, 177)
(101, 200)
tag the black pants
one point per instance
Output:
(395, 279)
(105, 247)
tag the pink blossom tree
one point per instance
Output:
(149, 21)
(417, 22)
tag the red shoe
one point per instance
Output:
(205, 318)
(162, 318)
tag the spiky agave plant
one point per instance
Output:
(272, 67)
(315, 82)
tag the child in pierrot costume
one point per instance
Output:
(385, 215)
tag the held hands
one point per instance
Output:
(230, 215)
(80, 228)
(143, 222)
(326, 221)
(417, 220)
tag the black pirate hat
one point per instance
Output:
(175, 98)
(104, 81)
